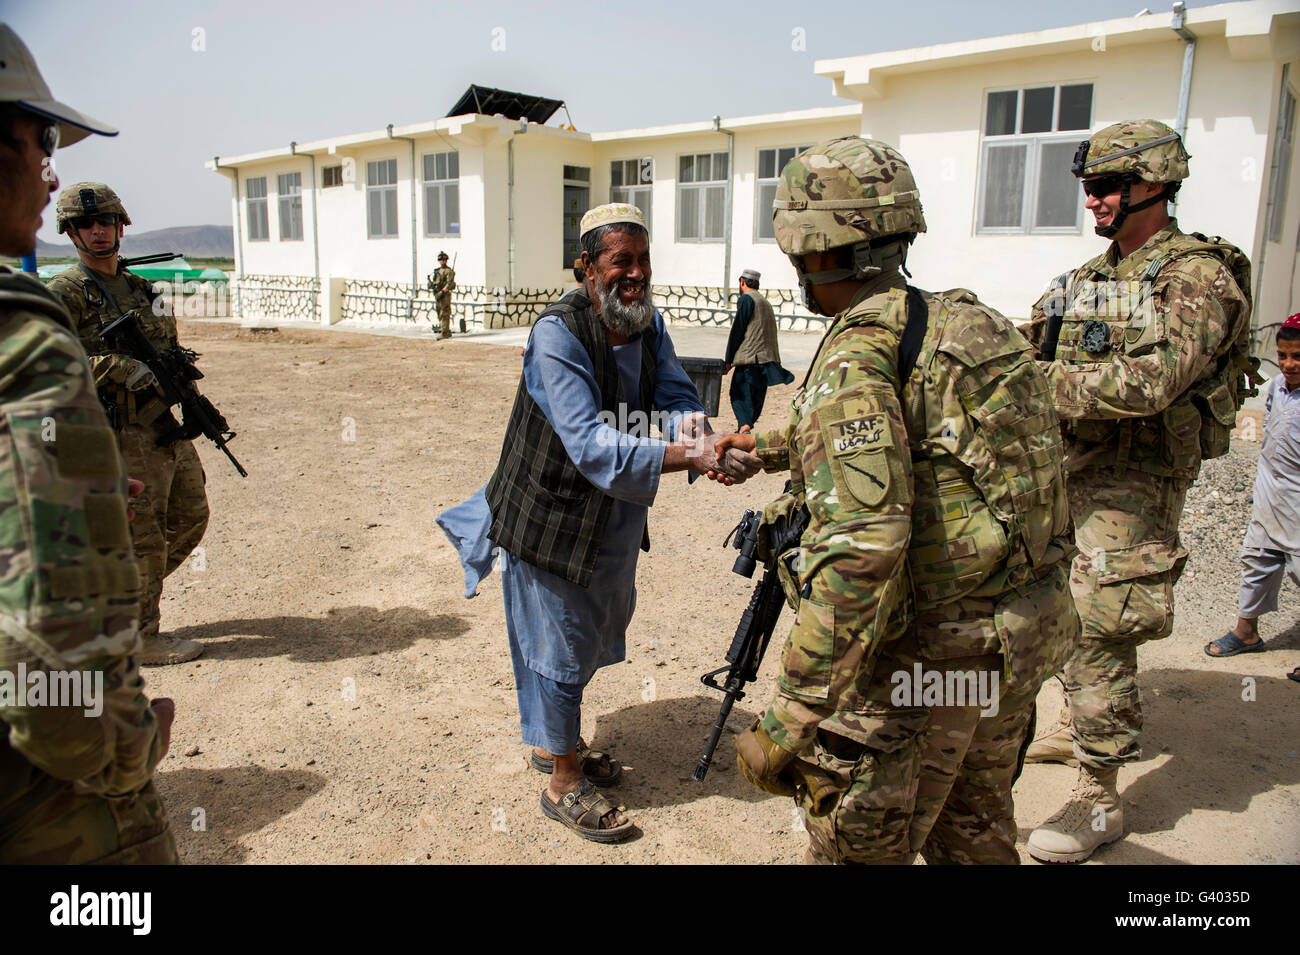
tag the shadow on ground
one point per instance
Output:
(1220, 743)
(662, 741)
(235, 802)
(342, 633)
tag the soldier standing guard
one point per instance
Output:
(442, 283)
(1146, 348)
(172, 512)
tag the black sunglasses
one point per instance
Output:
(1099, 186)
(50, 138)
(85, 222)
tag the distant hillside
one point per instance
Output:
(195, 241)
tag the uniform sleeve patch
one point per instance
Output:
(870, 432)
(87, 451)
(858, 447)
(106, 518)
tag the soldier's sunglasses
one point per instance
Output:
(1099, 186)
(85, 222)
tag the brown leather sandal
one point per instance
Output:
(601, 768)
(582, 810)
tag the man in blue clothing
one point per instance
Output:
(568, 502)
(753, 352)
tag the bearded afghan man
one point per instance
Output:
(567, 506)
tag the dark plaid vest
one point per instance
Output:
(543, 510)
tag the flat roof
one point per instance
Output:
(485, 127)
(863, 77)
(793, 118)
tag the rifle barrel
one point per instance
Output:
(147, 259)
(706, 759)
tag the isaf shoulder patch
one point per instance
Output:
(857, 446)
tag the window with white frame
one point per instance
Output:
(1029, 139)
(331, 176)
(381, 199)
(701, 197)
(770, 164)
(289, 187)
(1277, 187)
(255, 206)
(631, 181)
(442, 194)
(577, 200)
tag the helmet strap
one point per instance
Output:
(1108, 231)
(869, 261)
(106, 254)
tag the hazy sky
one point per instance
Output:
(185, 81)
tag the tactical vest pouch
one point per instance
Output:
(1038, 627)
(1181, 449)
(957, 541)
(1095, 431)
(1217, 402)
(1013, 467)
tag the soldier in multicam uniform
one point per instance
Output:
(442, 283)
(172, 513)
(938, 539)
(75, 785)
(1150, 364)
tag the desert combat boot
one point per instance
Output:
(1093, 817)
(164, 650)
(1056, 745)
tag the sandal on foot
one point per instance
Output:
(601, 768)
(582, 810)
(1229, 645)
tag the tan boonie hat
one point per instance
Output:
(21, 84)
(608, 214)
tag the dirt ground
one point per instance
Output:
(352, 706)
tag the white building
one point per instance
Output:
(341, 228)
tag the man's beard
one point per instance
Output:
(626, 320)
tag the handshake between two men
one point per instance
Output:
(727, 458)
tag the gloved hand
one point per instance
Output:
(762, 761)
(138, 375)
(822, 788)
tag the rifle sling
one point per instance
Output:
(99, 283)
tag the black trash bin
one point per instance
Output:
(706, 375)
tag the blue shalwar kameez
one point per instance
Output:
(560, 633)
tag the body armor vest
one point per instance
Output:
(94, 313)
(989, 495)
(1106, 318)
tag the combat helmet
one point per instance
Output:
(88, 199)
(847, 192)
(1135, 149)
